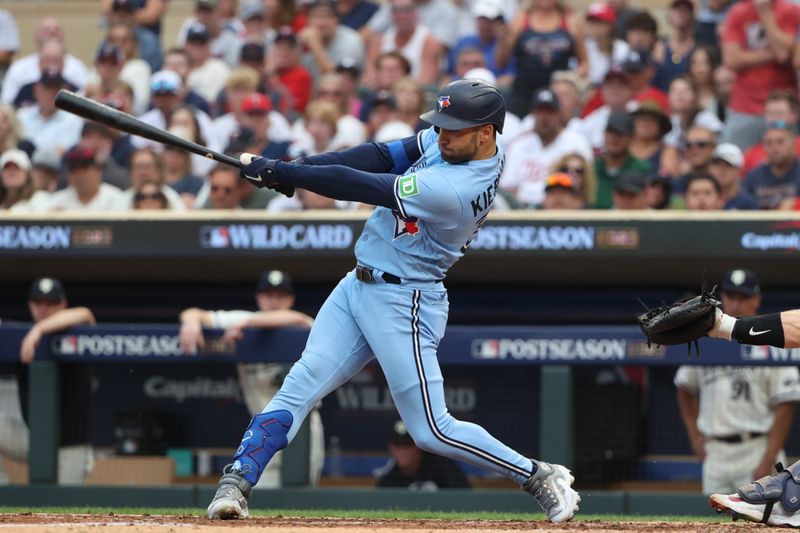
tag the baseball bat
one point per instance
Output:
(92, 110)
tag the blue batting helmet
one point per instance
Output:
(467, 103)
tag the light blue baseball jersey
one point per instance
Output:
(441, 206)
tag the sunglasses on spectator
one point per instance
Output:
(779, 125)
(218, 188)
(258, 114)
(403, 9)
(325, 92)
(578, 171)
(149, 196)
(699, 144)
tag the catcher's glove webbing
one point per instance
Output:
(686, 320)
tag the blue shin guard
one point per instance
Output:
(265, 436)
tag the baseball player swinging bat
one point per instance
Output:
(92, 110)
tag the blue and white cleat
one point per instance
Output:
(230, 501)
(551, 487)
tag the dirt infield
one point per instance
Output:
(112, 523)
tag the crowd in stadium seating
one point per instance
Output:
(606, 109)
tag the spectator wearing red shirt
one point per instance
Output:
(781, 105)
(285, 62)
(757, 42)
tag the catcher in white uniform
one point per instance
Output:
(737, 418)
(259, 381)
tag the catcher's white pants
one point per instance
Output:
(74, 462)
(729, 466)
(13, 431)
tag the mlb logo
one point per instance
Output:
(67, 345)
(754, 353)
(443, 101)
(485, 349)
(215, 237)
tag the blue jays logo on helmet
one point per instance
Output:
(468, 102)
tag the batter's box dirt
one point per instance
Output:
(112, 523)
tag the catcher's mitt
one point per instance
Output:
(686, 320)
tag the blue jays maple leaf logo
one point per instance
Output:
(443, 101)
(405, 226)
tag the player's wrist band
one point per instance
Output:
(759, 330)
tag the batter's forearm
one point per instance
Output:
(340, 183)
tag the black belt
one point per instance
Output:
(738, 438)
(366, 275)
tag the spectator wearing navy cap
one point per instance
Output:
(47, 126)
(86, 190)
(224, 41)
(253, 55)
(148, 43)
(776, 183)
(208, 74)
(641, 70)
(109, 68)
(530, 156)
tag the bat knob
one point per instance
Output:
(247, 158)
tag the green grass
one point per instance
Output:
(336, 513)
